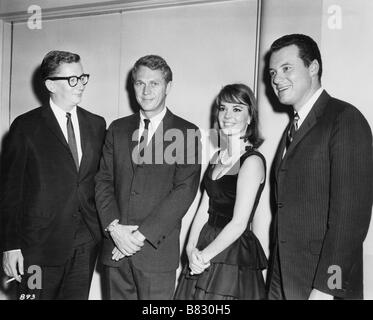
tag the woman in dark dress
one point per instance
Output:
(225, 258)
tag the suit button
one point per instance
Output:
(280, 205)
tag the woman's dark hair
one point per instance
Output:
(242, 94)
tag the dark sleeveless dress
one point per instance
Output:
(235, 273)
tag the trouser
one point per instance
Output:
(69, 281)
(275, 287)
(129, 283)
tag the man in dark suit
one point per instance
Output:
(323, 171)
(148, 178)
(49, 218)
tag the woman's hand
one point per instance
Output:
(196, 263)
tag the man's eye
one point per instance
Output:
(272, 74)
(154, 84)
(286, 69)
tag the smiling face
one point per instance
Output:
(151, 90)
(292, 81)
(233, 118)
(62, 94)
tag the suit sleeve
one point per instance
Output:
(351, 189)
(106, 202)
(171, 210)
(13, 166)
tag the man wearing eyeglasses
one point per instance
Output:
(49, 218)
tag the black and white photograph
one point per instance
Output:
(186, 150)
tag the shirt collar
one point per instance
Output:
(306, 108)
(59, 112)
(154, 121)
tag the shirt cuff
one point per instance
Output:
(111, 226)
(14, 250)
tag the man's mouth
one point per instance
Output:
(228, 124)
(281, 90)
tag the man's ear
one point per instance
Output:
(314, 68)
(50, 85)
(168, 87)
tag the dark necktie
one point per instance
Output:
(144, 138)
(293, 128)
(71, 140)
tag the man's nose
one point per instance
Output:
(80, 84)
(146, 89)
(276, 78)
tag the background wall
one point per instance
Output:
(207, 46)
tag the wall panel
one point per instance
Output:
(347, 47)
(96, 39)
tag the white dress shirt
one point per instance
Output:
(305, 110)
(62, 121)
(153, 124)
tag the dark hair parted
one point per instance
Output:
(153, 62)
(242, 94)
(52, 61)
(308, 49)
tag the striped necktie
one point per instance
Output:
(293, 128)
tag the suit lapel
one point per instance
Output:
(157, 142)
(133, 136)
(306, 126)
(309, 122)
(84, 138)
(52, 123)
(281, 149)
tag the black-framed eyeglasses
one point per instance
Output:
(73, 80)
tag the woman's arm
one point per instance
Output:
(250, 176)
(199, 221)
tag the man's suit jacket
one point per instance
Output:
(324, 201)
(42, 191)
(153, 196)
